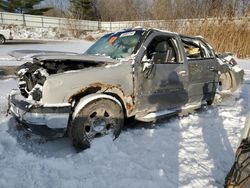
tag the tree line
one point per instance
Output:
(23, 6)
(122, 10)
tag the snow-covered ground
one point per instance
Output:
(24, 32)
(195, 151)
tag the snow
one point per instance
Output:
(193, 151)
(25, 32)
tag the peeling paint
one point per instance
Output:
(99, 87)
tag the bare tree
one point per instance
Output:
(162, 10)
(187, 8)
(120, 10)
(59, 9)
(117, 10)
(83, 9)
(143, 9)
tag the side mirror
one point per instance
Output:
(147, 67)
(146, 63)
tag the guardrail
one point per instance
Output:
(54, 22)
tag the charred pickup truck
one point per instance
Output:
(141, 73)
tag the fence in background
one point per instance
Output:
(45, 21)
(54, 22)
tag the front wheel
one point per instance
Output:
(2, 40)
(98, 118)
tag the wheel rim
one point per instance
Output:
(99, 123)
(225, 80)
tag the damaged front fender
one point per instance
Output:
(72, 85)
(127, 101)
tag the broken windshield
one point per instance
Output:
(116, 45)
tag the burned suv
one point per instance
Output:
(140, 73)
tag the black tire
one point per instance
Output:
(98, 118)
(2, 40)
(210, 102)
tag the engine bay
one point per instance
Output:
(32, 76)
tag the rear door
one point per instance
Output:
(202, 66)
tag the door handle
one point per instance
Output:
(182, 73)
(212, 68)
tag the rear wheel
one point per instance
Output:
(2, 40)
(98, 118)
(225, 82)
(210, 100)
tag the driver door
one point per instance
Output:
(161, 79)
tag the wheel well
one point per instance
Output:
(92, 97)
(2, 36)
(120, 100)
(92, 90)
(77, 97)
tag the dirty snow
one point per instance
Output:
(194, 151)
(24, 32)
